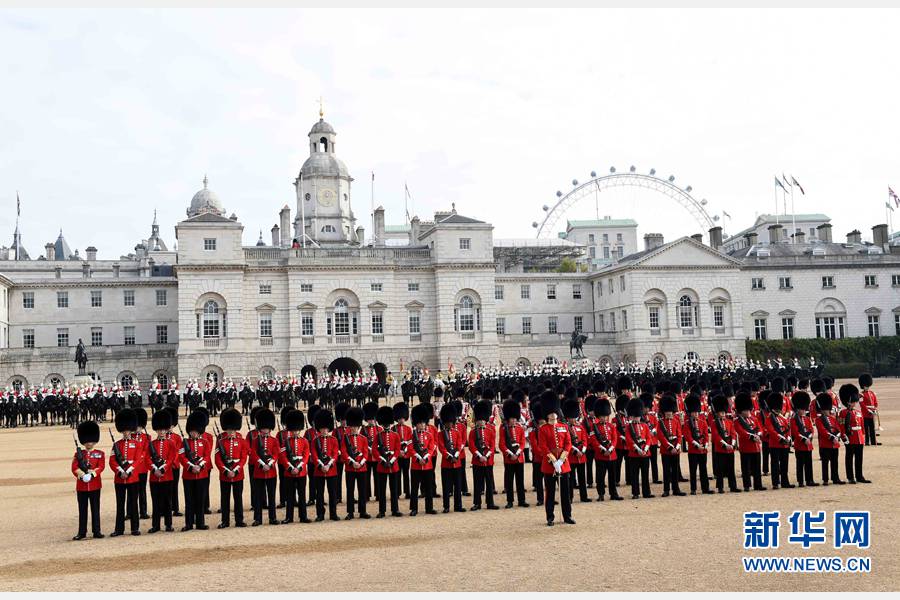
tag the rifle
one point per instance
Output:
(289, 448)
(826, 424)
(577, 446)
(665, 432)
(639, 442)
(386, 455)
(779, 430)
(404, 444)
(83, 464)
(421, 454)
(351, 449)
(320, 451)
(155, 458)
(226, 460)
(723, 434)
(753, 433)
(602, 439)
(801, 429)
(262, 453)
(192, 458)
(511, 444)
(124, 465)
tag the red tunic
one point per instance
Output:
(801, 444)
(653, 423)
(463, 435)
(748, 442)
(637, 439)
(620, 422)
(360, 446)
(168, 456)
(264, 445)
(672, 445)
(723, 442)
(297, 446)
(486, 449)
(132, 453)
(97, 462)
(868, 402)
(696, 443)
(580, 446)
(144, 439)
(325, 454)
(237, 452)
(604, 435)
(852, 426)
(371, 431)
(424, 440)
(826, 440)
(450, 460)
(516, 434)
(405, 434)
(202, 451)
(775, 440)
(554, 439)
(389, 443)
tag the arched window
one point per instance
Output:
(323, 144)
(307, 197)
(328, 229)
(341, 317)
(659, 361)
(267, 373)
(550, 361)
(163, 380)
(18, 384)
(685, 312)
(55, 382)
(211, 319)
(126, 381)
(467, 315)
(212, 377)
(692, 356)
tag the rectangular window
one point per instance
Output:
(576, 291)
(873, 321)
(619, 238)
(552, 323)
(162, 334)
(612, 288)
(871, 281)
(605, 238)
(827, 281)
(62, 299)
(593, 251)
(896, 323)
(209, 244)
(265, 289)
(759, 328)
(377, 323)
(624, 320)
(265, 325)
(465, 243)
(62, 337)
(612, 321)
(590, 238)
(784, 283)
(654, 317)
(579, 322)
(830, 328)
(28, 338)
(128, 297)
(621, 283)
(526, 324)
(129, 335)
(376, 287)
(306, 288)
(602, 322)
(501, 325)
(498, 292)
(605, 251)
(27, 299)
(96, 298)
(415, 323)
(525, 292)
(162, 297)
(718, 315)
(787, 328)
(306, 324)
(551, 291)
(600, 289)
(757, 283)
(895, 280)
(620, 251)
(96, 336)
(412, 286)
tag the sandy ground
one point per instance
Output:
(690, 543)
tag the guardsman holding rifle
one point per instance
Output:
(512, 447)
(126, 454)
(802, 433)
(668, 434)
(852, 426)
(295, 460)
(828, 430)
(161, 455)
(87, 465)
(637, 441)
(196, 458)
(749, 434)
(232, 452)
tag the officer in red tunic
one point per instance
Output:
(423, 449)
(175, 440)
(355, 456)
(637, 443)
(668, 433)
(537, 477)
(196, 460)
(621, 420)
(143, 438)
(696, 433)
(325, 456)
(449, 445)
(340, 421)
(555, 445)
(578, 457)
(802, 434)
(604, 439)
(387, 463)
(724, 443)
(828, 430)
(483, 444)
(404, 431)
(294, 457)
(87, 465)
(127, 454)
(264, 452)
(310, 435)
(512, 447)
(462, 426)
(852, 426)
(749, 435)
(869, 404)
(161, 455)
(779, 432)
(231, 454)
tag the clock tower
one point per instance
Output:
(323, 193)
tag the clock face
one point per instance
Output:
(326, 197)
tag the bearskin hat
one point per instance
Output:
(829, 382)
(550, 404)
(623, 384)
(792, 382)
(824, 402)
(646, 400)
(430, 407)
(419, 413)
(537, 411)
(775, 401)
(340, 411)
(205, 412)
(800, 401)
(370, 410)
(293, 420)
(141, 414)
(777, 384)
(720, 403)
(648, 388)
(283, 415)
(848, 393)
(622, 402)
(518, 395)
(488, 394)
(458, 405)
(743, 402)
(253, 412)
(126, 420)
(603, 408)
(354, 416)
(692, 403)
(865, 380)
(727, 390)
(324, 420)
(590, 401)
(196, 421)
(265, 419)
(511, 410)
(635, 408)
(88, 432)
(401, 411)
(817, 386)
(668, 404)
(162, 421)
(482, 410)
(230, 420)
(571, 409)
(173, 414)
(448, 413)
(385, 416)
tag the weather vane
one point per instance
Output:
(321, 108)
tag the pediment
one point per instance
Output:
(377, 305)
(686, 252)
(307, 306)
(414, 304)
(265, 307)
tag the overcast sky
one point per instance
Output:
(109, 115)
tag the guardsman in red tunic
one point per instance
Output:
(537, 477)
(749, 435)
(604, 438)
(724, 443)
(637, 442)
(161, 455)
(620, 420)
(555, 445)
(264, 452)
(462, 426)
(649, 416)
(294, 457)
(828, 430)
(482, 442)
(143, 438)
(208, 438)
(370, 429)
(325, 456)
(231, 454)
(868, 402)
(127, 453)
(696, 432)
(852, 426)
(340, 421)
(387, 463)
(280, 438)
(668, 433)
(87, 465)
(578, 456)
(779, 433)
(196, 460)
(310, 435)
(404, 431)
(449, 445)
(355, 456)
(512, 447)
(423, 449)
(802, 433)
(175, 440)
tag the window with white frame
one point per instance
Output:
(552, 323)
(576, 291)
(162, 334)
(96, 298)
(653, 315)
(378, 323)
(306, 324)
(468, 315)
(871, 281)
(830, 328)
(624, 320)
(28, 338)
(415, 323)
(579, 322)
(501, 325)
(591, 238)
(27, 299)
(873, 322)
(784, 283)
(718, 316)
(128, 334)
(162, 297)
(412, 286)
(128, 297)
(612, 287)
(265, 325)
(612, 321)
(787, 328)
(498, 292)
(827, 281)
(757, 283)
(265, 289)
(526, 325)
(465, 243)
(605, 238)
(96, 336)
(343, 322)
(209, 244)
(376, 287)
(686, 312)
(593, 251)
(601, 322)
(551, 291)
(896, 323)
(306, 288)
(525, 292)
(211, 319)
(759, 328)
(62, 337)
(621, 283)
(62, 299)
(895, 280)
(605, 251)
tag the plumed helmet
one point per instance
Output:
(824, 402)
(603, 408)
(482, 410)
(420, 414)
(196, 421)
(448, 414)
(720, 403)
(173, 415)
(865, 380)
(590, 402)
(294, 420)
(141, 414)
(623, 383)
(743, 401)
(162, 421)
(848, 393)
(340, 411)
(401, 411)
(622, 402)
(817, 386)
(283, 416)
(511, 410)
(354, 416)
(692, 403)
(88, 432)
(668, 404)
(571, 410)
(775, 401)
(126, 420)
(265, 419)
(370, 409)
(324, 420)
(230, 419)
(800, 401)
(635, 408)
(385, 416)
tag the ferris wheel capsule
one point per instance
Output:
(574, 182)
(546, 208)
(534, 224)
(653, 171)
(688, 189)
(632, 168)
(671, 178)
(593, 173)
(558, 194)
(703, 202)
(612, 169)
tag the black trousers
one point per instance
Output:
(779, 470)
(577, 478)
(606, 471)
(654, 466)
(537, 479)
(589, 467)
(724, 462)
(750, 470)
(195, 501)
(451, 487)
(514, 474)
(392, 481)
(264, 492)
(227, 490)
(670, 473)
(829, 458)
(320, 484)
(312, 491)
(483, 478)
(621, 455)
(142, 494)
(697, 465)
(357, 491)
(465, 480)
(804, 467)
(869, 428)
(639, 467)
(126, 504)
(424, 481)
(550, 496)
(162, 503)
(176, 474)
(853, 462)
(282, 495)
(340, 478)
(765, 458)
(295, 490)
(404, 475)
(86, 499)
(370, 480)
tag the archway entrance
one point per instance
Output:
(344, 364)
(308, 370)
(380, 371)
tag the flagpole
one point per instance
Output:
(372, 197)
(776, 204)
(793, 217)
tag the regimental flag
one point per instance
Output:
(797, 183)
(893, 196)
(779, 184)
(725, 214)
(19, 204)
(785, 180)
(888, 206)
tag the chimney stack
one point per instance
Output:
(276, 236)
(751, 238)
(698, 237)
(285, 218)
(414, 226)
(50, 249)
(379, 226)
(91, 253)
(823, 232)
(775, 233)
(361, 235)
(653, 240)
(799, 237)
(880, 237)
(715, 238)
(854, 237)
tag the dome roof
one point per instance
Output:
(322, 127)
(324, 163)
(205, 201)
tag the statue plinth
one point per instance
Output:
(82, 381)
